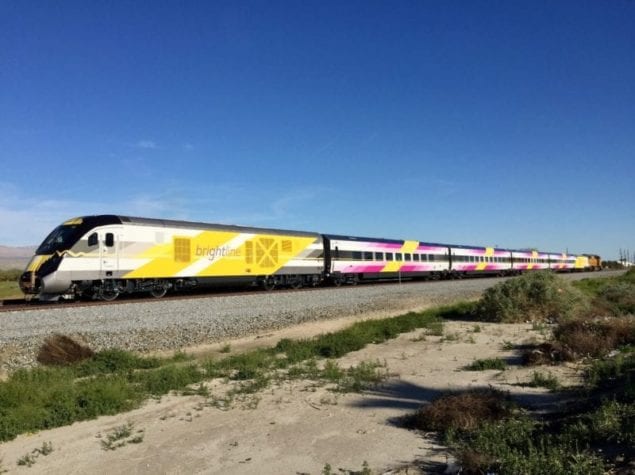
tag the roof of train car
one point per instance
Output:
(106, 219)
(453, 246)
(102, 220)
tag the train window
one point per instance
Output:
(407, 257)
(368, 256)
(379, 256)
(389, 256)
(415, 257)
(357, 256)
(110, 239)
(92, 239)
(399, 256)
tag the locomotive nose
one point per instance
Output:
(30, 283)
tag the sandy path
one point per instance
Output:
(296, 427)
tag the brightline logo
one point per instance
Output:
(216, 252)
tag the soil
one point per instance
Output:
(300, 427)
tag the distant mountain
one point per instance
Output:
(15, 257)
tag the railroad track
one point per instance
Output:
(14, 305)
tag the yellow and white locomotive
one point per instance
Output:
(103, 256)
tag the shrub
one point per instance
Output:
(617, 299)
(611, 422)
(520, 445)
(595, 338)
(62, 350)
(533, 296)
(463, 412)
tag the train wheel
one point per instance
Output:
(295, 282)
(108, 294)
(159, 291)
(268, 283)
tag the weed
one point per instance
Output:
(421, 337)
(360, 377)
(485, 364)
(328, 470)
(507, 345)
(121, 436)
(200, 390)
(46, 449)
(543, 380)
(476, 329)
(27, 460)
(226, 348)
(30, 458)
(450, 337)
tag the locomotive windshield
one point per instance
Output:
(62, 238)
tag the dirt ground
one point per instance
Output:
(298, 427)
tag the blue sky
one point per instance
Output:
(507, 123)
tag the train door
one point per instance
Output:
(109, 251)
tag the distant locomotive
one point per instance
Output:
(104, 256)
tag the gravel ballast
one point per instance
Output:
(178, 324)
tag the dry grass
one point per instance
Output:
(548, 353)
(465, 411)
(595, 337)
(59, 350)
(582, 338)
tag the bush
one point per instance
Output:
(534, 296)
(617, 299)
(595, 338)
(520, 445)
(62, 350)
(463, 412)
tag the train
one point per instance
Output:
(104, 256)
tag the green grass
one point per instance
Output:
(523, 445)
(488, 363)
(115, 381)
(543, 380)
(9, 287)
(613, 295)
(10, 290)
